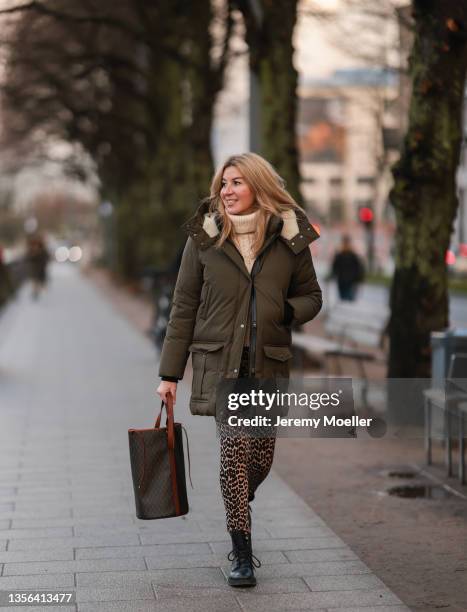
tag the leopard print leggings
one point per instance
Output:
(245, 461)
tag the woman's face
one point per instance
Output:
(236, 194)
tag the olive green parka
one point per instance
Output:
(215, 295)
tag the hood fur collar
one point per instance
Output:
(288, 231)
(295, 229)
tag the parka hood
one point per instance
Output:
(292, 227)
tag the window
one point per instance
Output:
(366, 180)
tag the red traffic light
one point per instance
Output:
(365, 214)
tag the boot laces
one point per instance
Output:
(244, 555)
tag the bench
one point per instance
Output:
(355, 331)
(462, 412)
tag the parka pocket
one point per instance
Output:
(276, 362)
(206, 360)
(204, 308)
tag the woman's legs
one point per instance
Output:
(244, 464)
(234, 455)
(259, 466)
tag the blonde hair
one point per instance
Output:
(271, 196)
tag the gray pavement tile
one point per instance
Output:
(5, 524)
(400, 608)
(8, 492)
(37, 581)
(3, 544)
(324, 554)
(200, 577)
(129, 593)
(343, 583)
(226, 604)
(43, 508)
(42, 476)
(37, 513)
(289, 585)
(49, 554)
(261, 522)
(317, 600)
(87, 531)
(272, 502)
(104, 510)
(284, 544)
(26, 496)
(211, 560)
(57, 567)
(295, 512)
(173, 538)
(285, 570)
(163, 535)
(107, 552)
(117, 540)
(299, 532)
(10, 465)
(7, 507)
(30, 523)
(45, 532)
(55, 608)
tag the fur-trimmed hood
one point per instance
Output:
(292, 227)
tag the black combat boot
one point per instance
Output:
(243, 560)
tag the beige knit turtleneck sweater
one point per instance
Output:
(244, 235)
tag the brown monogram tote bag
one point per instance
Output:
(158, 468)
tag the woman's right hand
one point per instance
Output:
(165, 388)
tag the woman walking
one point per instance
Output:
(246, 275)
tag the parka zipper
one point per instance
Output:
(253, 331)
(253, 318)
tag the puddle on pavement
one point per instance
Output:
(420, 491)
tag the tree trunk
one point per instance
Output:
(424, 192)
(269, 34)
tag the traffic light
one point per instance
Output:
(366, 216)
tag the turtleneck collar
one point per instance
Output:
(244, 224)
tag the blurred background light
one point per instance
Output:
(62, 254)
(75, 254)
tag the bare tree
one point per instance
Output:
(424, 194)
(269, 31)
(136, 85)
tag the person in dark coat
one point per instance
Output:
(348, 270)
(6, 285)
(37, 258)
(245, 277)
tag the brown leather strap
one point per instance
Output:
(169, 421)
(170, 446)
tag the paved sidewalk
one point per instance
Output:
(74, 376)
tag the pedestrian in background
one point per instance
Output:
(246, 275)
(348, 270)
(6, 285)
(37, 258)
